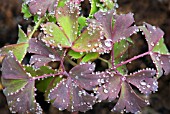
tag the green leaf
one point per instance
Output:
(51, 84)
(75, 55)
(54, 35)
(25, 11)
(22, 37)
(129, 40)
(120, 48)
(82, 23)
(94, 8)
(42, 85)
(36, 18)
(120, 54)
(122, 69)
(51, 18)
(88, 41)
(13, 85)
(67, 18)
(19, 50)
(61, 3)
(90, 57)
(160, 47)
(109, 4)
(39, 72)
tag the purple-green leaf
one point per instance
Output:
(19, 50)
(55, 36)
(43, 53)
(71, 93)
(158, 51)
(120, 29)
(67, 18)
(19, 87)
(128, 100)
(144, 81)
(41, 6)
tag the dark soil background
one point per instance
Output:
(155, 12)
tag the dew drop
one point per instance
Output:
(105, 91)
(143, 83)
(108, 42)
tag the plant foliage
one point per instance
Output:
(66, 37)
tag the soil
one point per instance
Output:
(155, 12)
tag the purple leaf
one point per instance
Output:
(105, 18)
(83, 76)
(71, 93)
(43, 53)
(122, 26)
(117, 83)
(68, 95)
(162, 61)
(158, 51)
(144, 81)
(41, 6)
(129, 101)
(110, 89)
(60, 94)
(152, 35)
(19, 87)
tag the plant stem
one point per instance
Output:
(46, 75)
(70, 61)
(112, 57)
(35, 28)
(132, 59)
(104, 60)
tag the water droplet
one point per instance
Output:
(108, 42)
(18, 99)
(123, 78)
(105, 91)
(143, 83)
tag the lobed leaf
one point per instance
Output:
(128, 100)
(105, 18)
(55, 36)
(158, 50)
(70, 93)
(123, 27)
(43, 53)
(41, 6)
(144, 81)
(67, 18)
(19, 50)
(89, 40)
(19, 87)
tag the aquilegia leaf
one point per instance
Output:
(19, 50)
(65, 34)
(43, 53)
(118, 30)
(41, 6)
(158, 51)
(70, 93)
(19, 87)
(128, 100)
